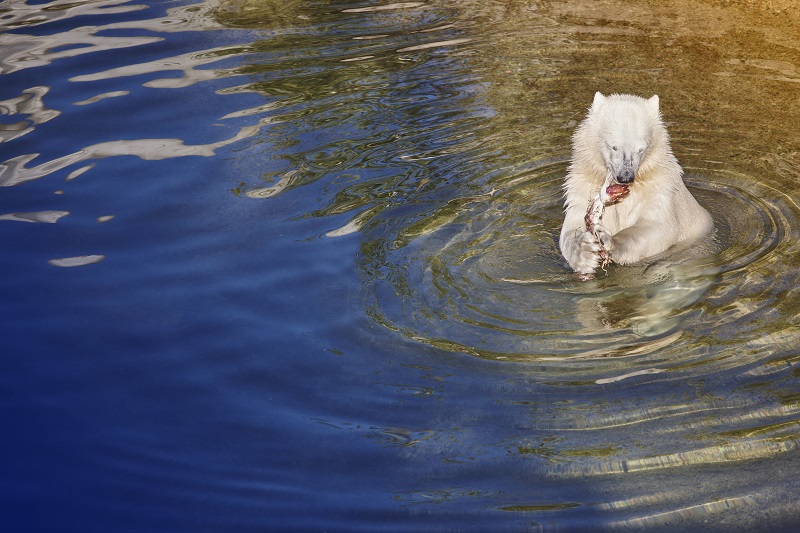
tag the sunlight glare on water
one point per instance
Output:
(293, 266)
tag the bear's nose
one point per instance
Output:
(626, 176)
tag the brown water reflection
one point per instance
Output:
(727, 76)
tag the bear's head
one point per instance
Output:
(625, 127)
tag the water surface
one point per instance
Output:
(293, 266)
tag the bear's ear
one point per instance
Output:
(598, 100)
(652, 104)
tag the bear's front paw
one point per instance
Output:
(604, 238)
(588, 259)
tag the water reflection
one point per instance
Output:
(82, 260)
(29, 103)
(16, 170)
(423, 145)
(48, 217)
(22, 14)
(19, 51)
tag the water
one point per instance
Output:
(292, 266)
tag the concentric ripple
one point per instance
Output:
(483, 274)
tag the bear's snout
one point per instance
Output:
(625, 176)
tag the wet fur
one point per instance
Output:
(625, 133)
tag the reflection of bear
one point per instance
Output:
(623, 137)
(647, 299)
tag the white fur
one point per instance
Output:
(623, 135)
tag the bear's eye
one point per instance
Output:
(614, 148)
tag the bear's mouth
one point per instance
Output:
(616, 191)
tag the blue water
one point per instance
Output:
(297, 271)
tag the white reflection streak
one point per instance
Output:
(81, 260)
(629, 375)
(258, 110)
(355, 224)
(715, 454)
(185, 63)
(20, 51)
(762, 414)
(639, 501)
(194, 17)
(386, 7)
(276, 189)
(436, 44)
(687, 512)
(185, 18)
(48, 217)
(14, 171)
(727, 453)
(77, 172)
(360, 58)
(29, 103)
(103, 96)
(21, 14)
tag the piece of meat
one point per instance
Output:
(612, 194)
(615, 192)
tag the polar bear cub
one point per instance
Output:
(624, 140)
